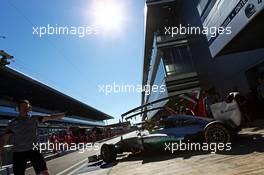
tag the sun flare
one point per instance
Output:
(108, 14)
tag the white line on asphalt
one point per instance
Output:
(71, 167)
(77, 169)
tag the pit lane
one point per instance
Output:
(246, 157)
(69, 162)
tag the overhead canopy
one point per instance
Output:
(15, 85)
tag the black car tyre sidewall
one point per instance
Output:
(217, 127)
(108, 153)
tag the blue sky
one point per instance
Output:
(73, 65)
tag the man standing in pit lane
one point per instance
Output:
(24, 131)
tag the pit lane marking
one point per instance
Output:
(71, 167)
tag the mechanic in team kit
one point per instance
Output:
(24, 131)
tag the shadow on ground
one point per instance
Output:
(243, 144)
(246, 144)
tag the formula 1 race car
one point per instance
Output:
(175, 128)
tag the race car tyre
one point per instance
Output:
(108, 153)
(217, 133)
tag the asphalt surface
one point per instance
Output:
(69, 162)
(246, 157)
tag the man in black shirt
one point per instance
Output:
(24, 130)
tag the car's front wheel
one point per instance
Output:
(217, 133)
(108, 153)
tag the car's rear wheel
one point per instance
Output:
(217, 133)
(108, 153)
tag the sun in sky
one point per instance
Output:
(108, 14)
